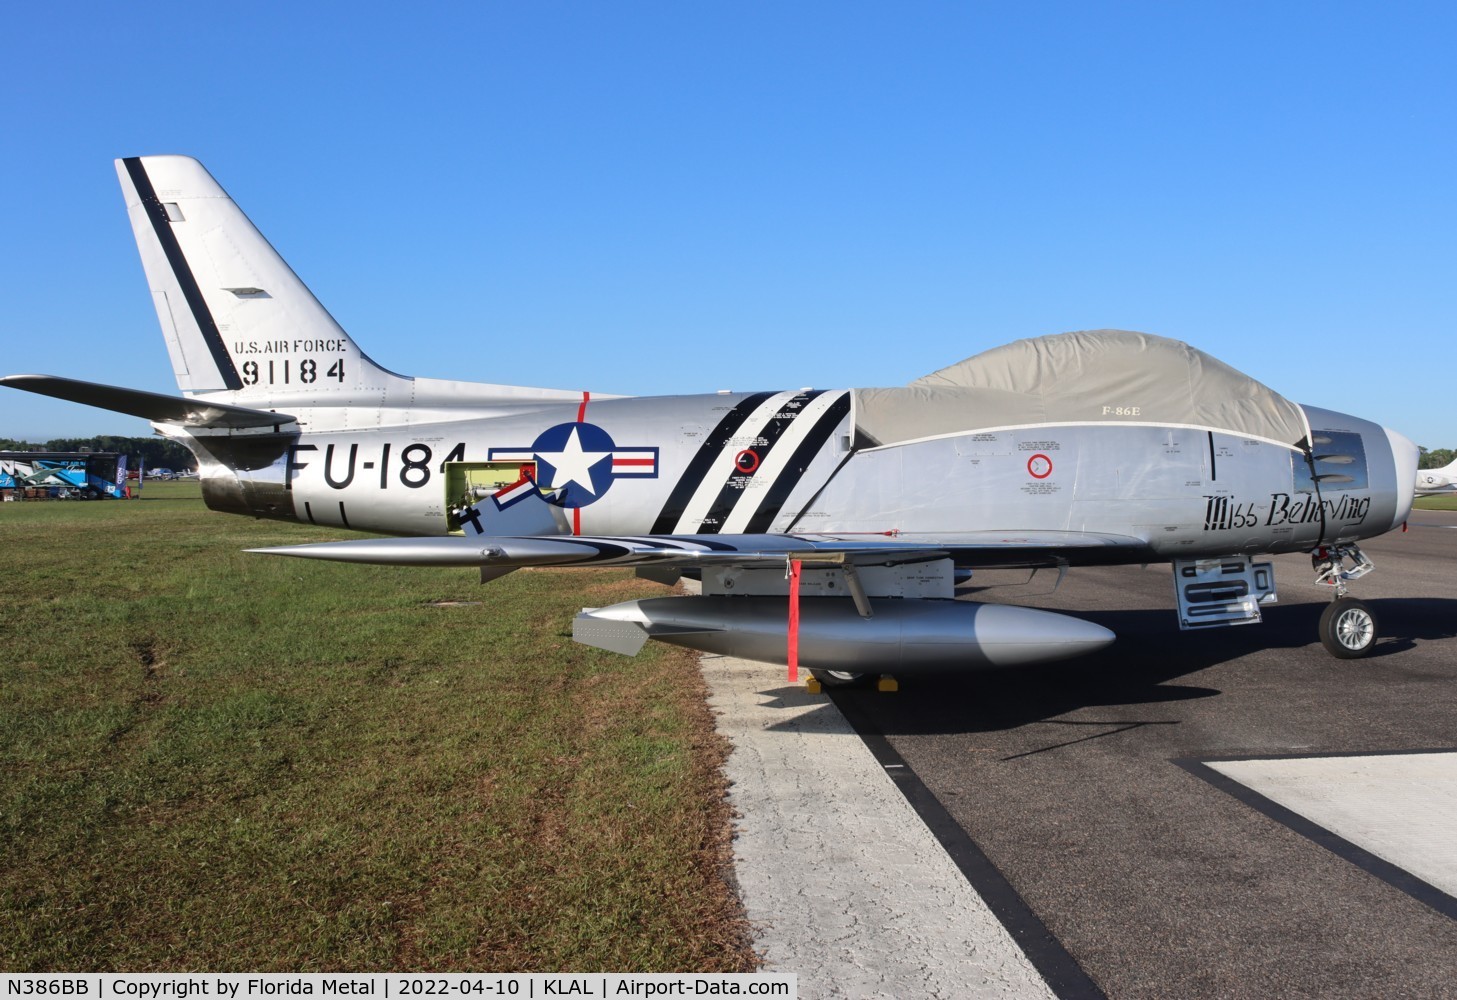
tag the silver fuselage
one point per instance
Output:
(790, 462)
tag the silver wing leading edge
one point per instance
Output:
(972, 549)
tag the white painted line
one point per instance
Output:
(1400, 807)
(842, 881)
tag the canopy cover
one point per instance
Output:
(1092, 376)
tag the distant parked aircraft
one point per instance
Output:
(1437, 482)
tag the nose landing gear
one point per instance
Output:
(1347, 627)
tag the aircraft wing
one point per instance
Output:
(153, 406)
(980, 548)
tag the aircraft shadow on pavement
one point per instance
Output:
(1401, 622)
(1136, 670)
(1404, 620)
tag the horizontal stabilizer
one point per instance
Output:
(152, 406)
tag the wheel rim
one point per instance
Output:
(1354, 629)
(844, 675)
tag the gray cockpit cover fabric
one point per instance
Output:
(1093, 376)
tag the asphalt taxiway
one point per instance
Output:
(1142, 806)
(843, 884)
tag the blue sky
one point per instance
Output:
(678, 197)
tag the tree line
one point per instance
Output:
(1436, 458)
(154, 452)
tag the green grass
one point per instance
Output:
(1436, 503)
(213, 760)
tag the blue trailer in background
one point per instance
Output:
(63, 475)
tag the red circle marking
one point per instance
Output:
(747, 460)
(1033, 472)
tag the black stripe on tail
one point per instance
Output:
(157, 213)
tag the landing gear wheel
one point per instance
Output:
(837, 678)
(1348, 629)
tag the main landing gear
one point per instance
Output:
(1347, 626)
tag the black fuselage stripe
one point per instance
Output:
(734, 486)
(804, 455)
(162, 226)
(708, 451)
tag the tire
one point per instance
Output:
(1348, 629)
(838, 678)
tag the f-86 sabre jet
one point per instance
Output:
(828, 528)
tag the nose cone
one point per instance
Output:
(1012, 636)
(1405, 455)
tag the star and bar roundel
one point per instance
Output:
(737, 481)
(577, 462)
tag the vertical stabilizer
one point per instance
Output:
(235, 316)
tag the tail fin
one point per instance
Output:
(234, 314)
